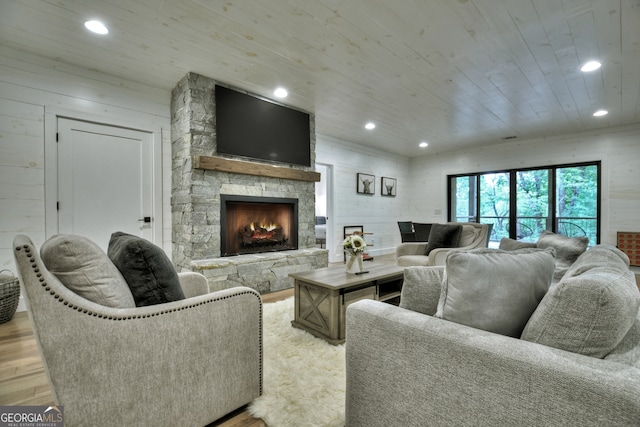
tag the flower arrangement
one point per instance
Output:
(354, 244)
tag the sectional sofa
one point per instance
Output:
(573, 360)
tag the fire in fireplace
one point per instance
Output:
(257, 224)
(262, 234)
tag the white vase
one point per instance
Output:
(354, 262)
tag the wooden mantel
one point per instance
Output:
(220, 164)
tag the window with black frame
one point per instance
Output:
(521, 203)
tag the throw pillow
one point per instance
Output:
(507, 244)
(146, 268)
(568, 249)
(84, 268)
(443, 236)
(421, 289)
(590, 311)
(494, 290)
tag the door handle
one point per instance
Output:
(145, 219)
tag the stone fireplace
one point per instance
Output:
(251, 225)
(201, 180)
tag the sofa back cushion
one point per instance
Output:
(83, 267)
(591, 309)
(494, 290)
(628, 350)
(146, 268)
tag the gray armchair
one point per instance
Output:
(474, 235)
(186, 362)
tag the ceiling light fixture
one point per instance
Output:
(96, 27)
(281, 92)
(370, 126)
(600, 113)
(423, 144)
(590, 66)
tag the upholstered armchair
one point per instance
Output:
(186, 362)
(473, 235)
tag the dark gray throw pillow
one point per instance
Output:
(443, 236)
(146, 268)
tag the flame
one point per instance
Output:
(263, 226)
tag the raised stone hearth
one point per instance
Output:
(196, 198)
(266, 272)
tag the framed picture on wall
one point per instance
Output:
(388, 186)
(366, 184)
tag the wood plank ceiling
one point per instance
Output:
(455, 74)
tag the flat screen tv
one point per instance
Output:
(251, 127)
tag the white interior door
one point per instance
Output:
(104, 181)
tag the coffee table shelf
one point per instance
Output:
(323, 295)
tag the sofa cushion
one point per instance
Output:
(600, 255)
(590, 310)
(568, 249)
(628, 350)
(507, 244)
(146, 268)
(83, 267)
(443, 236)
(494, 290)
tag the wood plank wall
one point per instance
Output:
(618, 149)
(33, 91)
(21, 174)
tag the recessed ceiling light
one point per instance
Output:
(600, 113)
(370, 126)
(423, 144)
(96, 27)
(590, 66)
(281, 92)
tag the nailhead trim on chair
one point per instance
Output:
(143, 316)
(36, 270)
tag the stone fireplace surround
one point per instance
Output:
(195, 201)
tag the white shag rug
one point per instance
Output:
(304, 376)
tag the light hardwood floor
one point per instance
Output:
(23, 381)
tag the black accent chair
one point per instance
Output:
(407, 233)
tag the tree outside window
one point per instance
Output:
(521, 204)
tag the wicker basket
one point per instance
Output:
(9, 296)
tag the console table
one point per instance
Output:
(323, 295)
